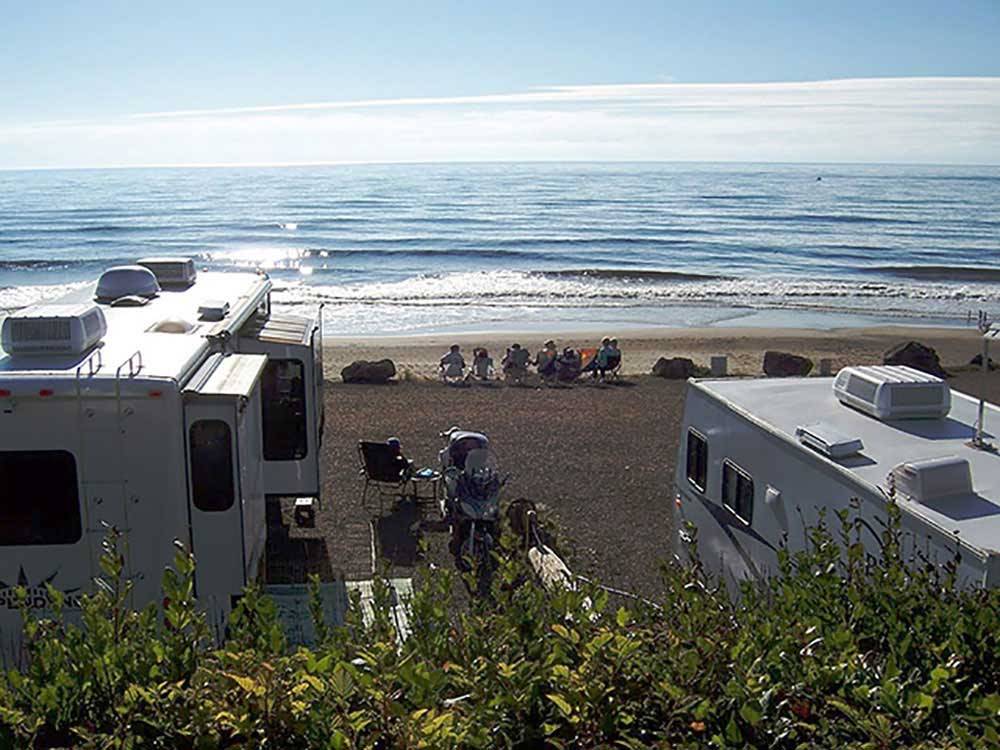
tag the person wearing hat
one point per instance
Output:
(404, 464)
(545, 361)
(568, 365)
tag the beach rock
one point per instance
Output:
(675, 368)
(785, 365)
(916, 355)
(363, 371)
(978, 362)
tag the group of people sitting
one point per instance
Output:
(551, 365)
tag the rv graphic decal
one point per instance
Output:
(728, 521)
(37, 593)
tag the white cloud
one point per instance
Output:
(942, 120)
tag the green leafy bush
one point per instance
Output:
(837, 651)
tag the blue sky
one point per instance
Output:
(74, 74)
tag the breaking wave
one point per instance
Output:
(941, 273)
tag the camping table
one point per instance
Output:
(426, 484)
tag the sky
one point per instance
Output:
(141, 83)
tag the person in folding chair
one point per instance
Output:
(515, 364)
(452, 366)
(385, 466)
(613, 361)
(482, 365)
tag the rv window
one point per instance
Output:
(212, 486)
(39, 498)
(737, 491)
(283, 410)
(697, 460)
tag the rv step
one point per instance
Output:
(292, 601)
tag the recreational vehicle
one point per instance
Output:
(759, 460)
(165, 403)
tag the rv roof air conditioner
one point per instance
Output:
(171, 272)
(933, 479)
(893, 392)
(54, 329)
(828, 441)
(126, 281)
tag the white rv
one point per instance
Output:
(165, 403)
(759, 459)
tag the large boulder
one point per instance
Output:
(978, 362)
(363, 371)
(675, 368)
(785, 365)
(916, 355)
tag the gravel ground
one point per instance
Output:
(599, 459)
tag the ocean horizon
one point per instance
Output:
(395, 249)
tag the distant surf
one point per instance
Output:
(396, 248)
(938, 273)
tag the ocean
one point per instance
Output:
(411, 249)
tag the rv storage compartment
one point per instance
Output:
(54, 329)
(933, 478)
(888, 393)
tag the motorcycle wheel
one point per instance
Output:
(485, 567)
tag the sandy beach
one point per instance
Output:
(599, 459)
(418, 355)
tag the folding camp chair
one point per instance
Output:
(614, 367)
(384, 467)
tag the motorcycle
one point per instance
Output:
(471, 501)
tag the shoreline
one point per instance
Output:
(416, 355)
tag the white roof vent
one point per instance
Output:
(887, 393)
(828, 441)
(54, 329)
(126, 281)
(933, 478)
(213, 309)
(171, 272)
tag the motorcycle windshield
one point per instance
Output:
(479, 459)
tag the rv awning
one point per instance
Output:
(280, 329)
(232, 375)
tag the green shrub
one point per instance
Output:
(837, 651)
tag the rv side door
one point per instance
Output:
(215, 495)
(320, 405)
(291, 402)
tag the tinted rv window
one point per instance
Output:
(697, 460)
(283, 410)
(737, 491)
(212, 486)
(39, 498)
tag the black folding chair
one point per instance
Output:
(383, 467)
(614, 367)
